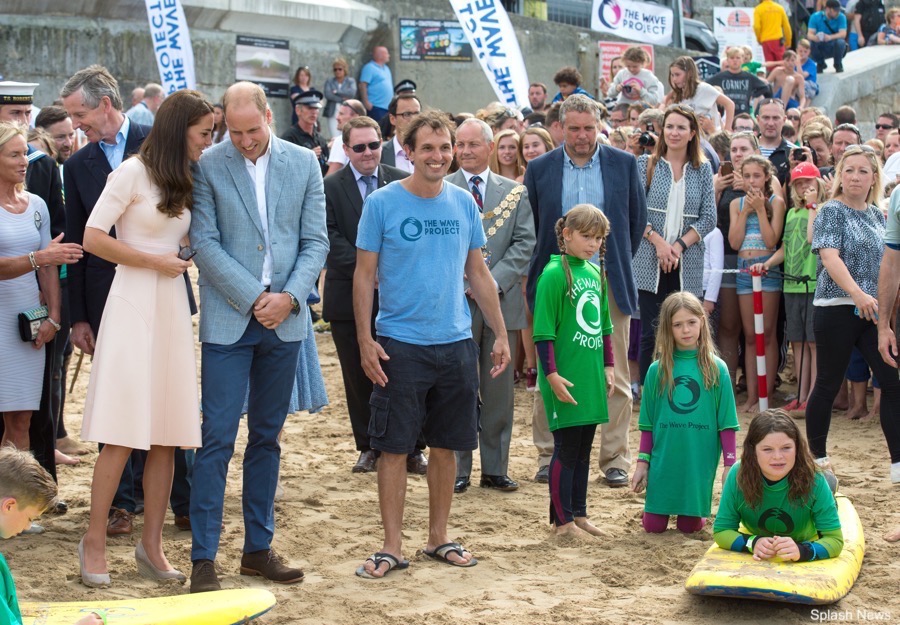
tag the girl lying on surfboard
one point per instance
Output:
(780, 496)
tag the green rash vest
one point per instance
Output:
(9, 611)
(814, 521)
(576, 323)
(686, 443)
(799, 259)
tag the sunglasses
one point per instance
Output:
(851, 127)
(853, 149)
(884, 126)
(336, 69)
(359, 148)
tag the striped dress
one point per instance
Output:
(22, 366)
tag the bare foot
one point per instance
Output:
(571, 530)
(893, 535)
(855, 413)
(62, 458)
(752, 406)
(583, 523)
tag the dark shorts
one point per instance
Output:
(432, 389)
(798, 311)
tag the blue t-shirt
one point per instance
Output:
(380, 83)
(820, 23)
(810, 68)
(422, 245)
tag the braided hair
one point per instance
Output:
(589, 221)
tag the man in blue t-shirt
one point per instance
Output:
(419, 238)
(376, 84)
(827, 34)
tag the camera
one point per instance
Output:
(646, 139)
(798, 155)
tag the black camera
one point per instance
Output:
(646, 140)
(798, 155)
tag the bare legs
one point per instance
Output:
(15, 429)
(770, 318)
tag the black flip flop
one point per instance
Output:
(378, 558)
(440, 554)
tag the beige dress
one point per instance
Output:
(143, 386)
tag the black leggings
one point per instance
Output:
(569, 469)
(650, 304)
(838, 331)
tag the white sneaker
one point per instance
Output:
(895, 474)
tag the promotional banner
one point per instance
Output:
(493, 40)
(267, 62)
(433, 40)
(733, 26)
(612, 49)
(636, 21)
(171, 44)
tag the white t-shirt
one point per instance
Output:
(336, 152)
(704, 103)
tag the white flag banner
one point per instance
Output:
(488, 29)
(171, 44)
(635, 21)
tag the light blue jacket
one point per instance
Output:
(227, 233)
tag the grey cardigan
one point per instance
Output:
(699, 214)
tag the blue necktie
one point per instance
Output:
(476, 180)
(370, 182)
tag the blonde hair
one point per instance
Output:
(798, 201)
(875, 193)
(8, 131)
(494, 161)
(26, 481)
(665, 341)
(589, 221)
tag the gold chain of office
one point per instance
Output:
(503, 210)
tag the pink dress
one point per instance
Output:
(143, 387)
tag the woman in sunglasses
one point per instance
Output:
(848, 237)
(337, 90)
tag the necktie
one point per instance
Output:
(370, 185)
(476, 180)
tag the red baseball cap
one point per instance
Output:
(805, 170)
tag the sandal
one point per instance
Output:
(440, 554)
(377, 559)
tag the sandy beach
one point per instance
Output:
(328, 523)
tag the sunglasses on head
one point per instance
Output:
(359, 148)
(851, 127)
(859, 148)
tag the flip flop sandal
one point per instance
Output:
(377, 559)
(440, 554)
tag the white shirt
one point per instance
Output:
(258, 173)
(713, 263)
(400, 160)
(361, 184)
(336, 152)
(482, 186)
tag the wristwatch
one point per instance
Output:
(812, 206)
(295, 305)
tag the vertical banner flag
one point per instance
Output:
(635, 21)
(171, 44)
(488, 29)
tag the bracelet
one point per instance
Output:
(812, 206)
(642, 457)
(682, 243)
(649, 233)
(33, 262)
(54, 324)
(750, 542)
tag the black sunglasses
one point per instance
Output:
(359, 148)
(884, 126)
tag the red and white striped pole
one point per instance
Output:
(759, 327)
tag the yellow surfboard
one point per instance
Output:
(222, 607)
(726, 573)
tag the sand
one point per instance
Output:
(328, 523)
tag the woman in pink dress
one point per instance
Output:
(143, 388)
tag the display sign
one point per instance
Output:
(267, 62)
(433, 40)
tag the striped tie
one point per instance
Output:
(476, 180)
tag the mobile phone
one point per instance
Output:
(856, 312)
(726, 168)
(186, 252)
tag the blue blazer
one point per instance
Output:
(227, 233)
(624, 205)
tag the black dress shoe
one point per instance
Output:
(366, 462)
(500, 482)
(417, 463)
(616, 478)
(461, 484)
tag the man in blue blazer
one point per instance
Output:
(258, 228)
(584, 171)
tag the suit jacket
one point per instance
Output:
(227, 233)
(343, 208)
(85, 178)
(624, 206)
(387, 153)
(42, 178)
(511, 246)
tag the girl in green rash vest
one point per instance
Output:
(687, 419)
(783, 500)
(572, 333)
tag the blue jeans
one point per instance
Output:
(835, 49)
(268, 364)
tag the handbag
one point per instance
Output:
(30, 322)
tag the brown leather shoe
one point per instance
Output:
(366, 462)
(121, 522)
(203, 577)
(417, 463)
(267, 564)
(183, 522)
